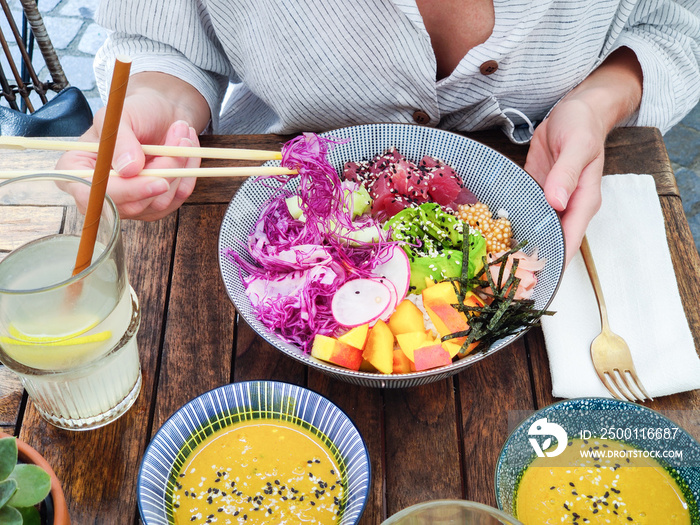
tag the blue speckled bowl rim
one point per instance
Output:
(404, 380)
(553, 407)
(241, 384)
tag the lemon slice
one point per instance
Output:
(16, 337)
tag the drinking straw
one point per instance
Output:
(103, 164)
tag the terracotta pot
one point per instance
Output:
(30, 455)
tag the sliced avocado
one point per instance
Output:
(444, 266)
(405, 226)
(445, 228)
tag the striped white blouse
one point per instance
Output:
(315, 65)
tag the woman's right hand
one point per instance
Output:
(168, 117)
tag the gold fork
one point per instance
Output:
(611, 355)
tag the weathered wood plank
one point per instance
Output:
(198, 342)
(11, 391)
(421, 445)
(488, 391)
(258, 360)
(22, 224)
(98, 469)
(364, 406)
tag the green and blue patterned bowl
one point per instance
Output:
(635, 425)
(247, 401)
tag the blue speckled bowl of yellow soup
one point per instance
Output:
(255, 452)
(599, 461)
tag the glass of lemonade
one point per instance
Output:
(71, 339)
(453, 512)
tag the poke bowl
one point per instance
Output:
(254, 452)
(591, 459)
(492, 178)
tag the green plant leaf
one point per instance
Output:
(8, 456)
(7, 489)
(10, 516)
(30, 516)
(33, 485)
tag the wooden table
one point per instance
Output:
(436, 441)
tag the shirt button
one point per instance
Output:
(488, 67)
(421, 117)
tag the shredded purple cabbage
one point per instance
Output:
(299, 265)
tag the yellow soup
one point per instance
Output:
(611, 485)
(263, 471)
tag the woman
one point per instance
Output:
(576, 69)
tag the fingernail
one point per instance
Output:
(181, 128)
(157, 188)
(123, 161)
(561, 195)
(185, 143)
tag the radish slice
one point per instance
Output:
(360, 301)
(394, 301)
(397, 269)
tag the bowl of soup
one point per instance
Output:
(255, 452)
(596, 460)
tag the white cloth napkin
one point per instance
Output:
(628, 242)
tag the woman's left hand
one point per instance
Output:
(567, 149)
(566, 158)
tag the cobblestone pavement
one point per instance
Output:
(76, 37)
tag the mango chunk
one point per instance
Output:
(408, 342)
(356, 336)
(379, 348)
(402, 364)
(333, 351)
(406, 318)
(431, 356)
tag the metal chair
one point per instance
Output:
(66, 114)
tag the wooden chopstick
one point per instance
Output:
(160, 151)
(239, 172)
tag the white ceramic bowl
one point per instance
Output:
(492, 177)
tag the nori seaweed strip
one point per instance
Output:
(505, 315)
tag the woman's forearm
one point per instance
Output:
(185, 102)
(614, 89)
